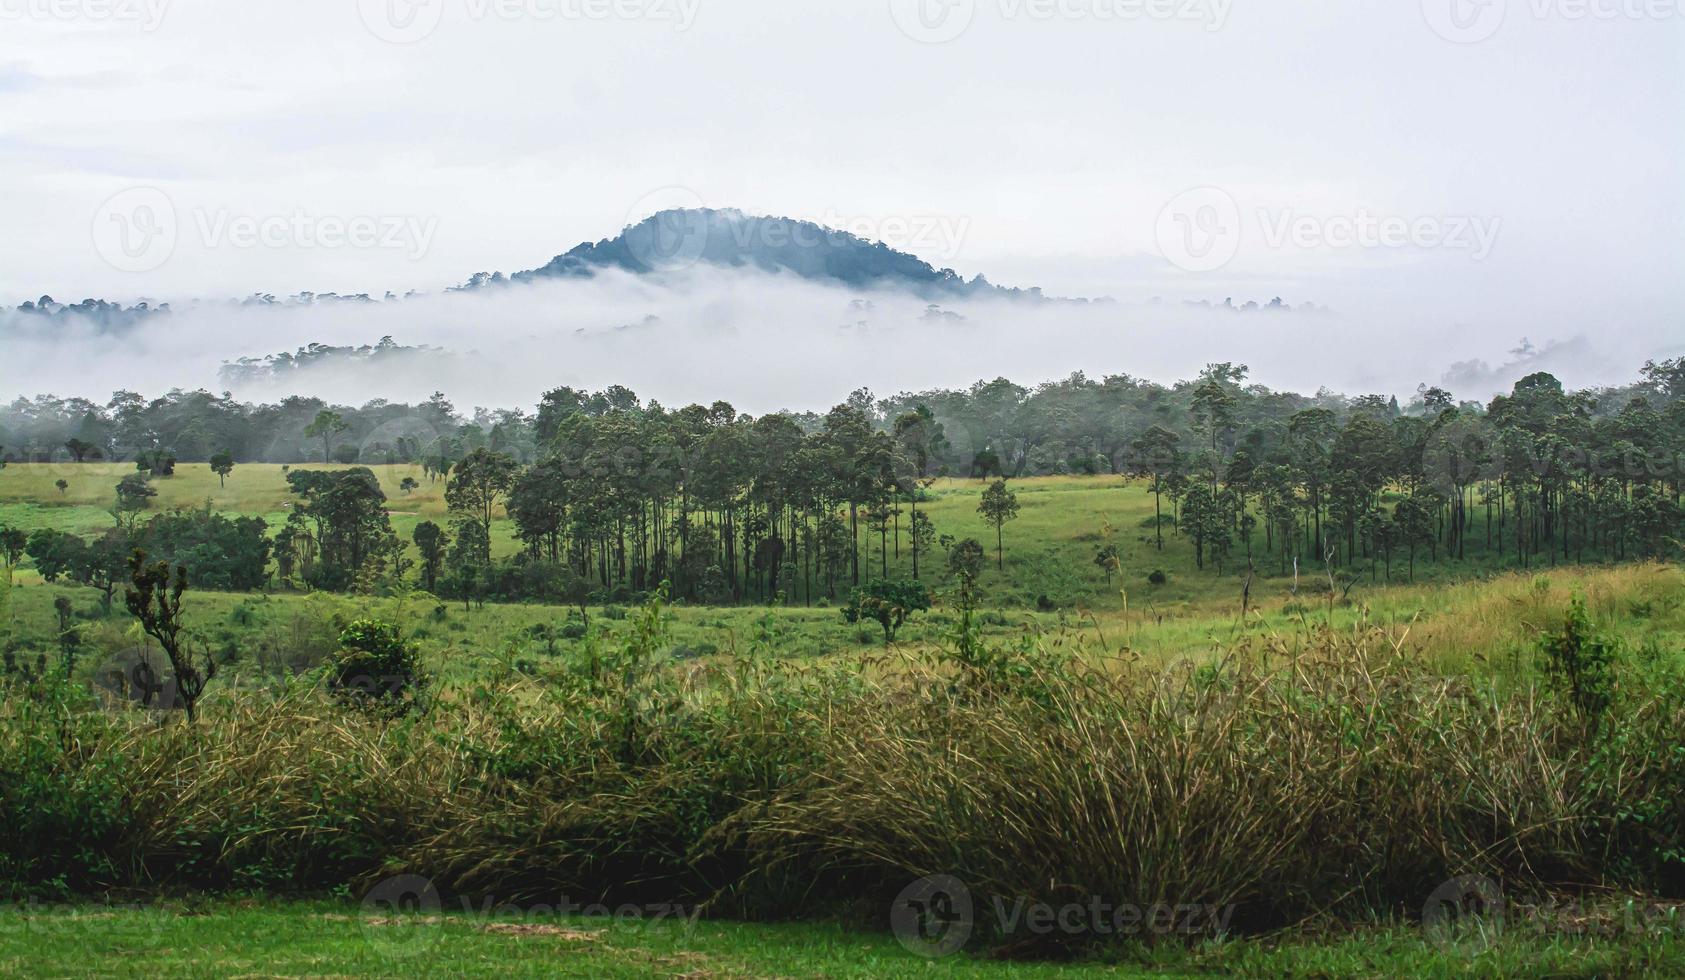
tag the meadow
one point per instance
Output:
(1318, 763)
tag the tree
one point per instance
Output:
(408, 485)
(156, 462)
(431, 542)
(344, 517)
(222, 464)
(998, 506)
(220, 553)
(886, 603)
(62, 485)
(155, 600)
(1155, 454)
(325, 426)
(69, 635)
(919, 440)
(965, 560)
(13, 541)
(134, 494)
(80, 450)
(1213, 410)
(1107, 559)
(478, 482)
(54, 553)
(1412, 520)
(576, 590)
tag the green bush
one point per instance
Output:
(887, 603)
(63, 790)
(1579, 660)
(376, 668)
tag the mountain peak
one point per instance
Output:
(682, 238)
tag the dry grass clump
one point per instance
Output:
(1335, 779)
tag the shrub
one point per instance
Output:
(376, 668)
(1157, 577)
(887, 603)
(1579, 661)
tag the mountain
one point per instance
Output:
(671, 241)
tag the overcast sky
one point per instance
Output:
(1497, 170)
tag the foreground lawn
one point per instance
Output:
(264, 938)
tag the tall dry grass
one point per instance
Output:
(1330, 773)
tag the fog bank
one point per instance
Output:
(767, 342)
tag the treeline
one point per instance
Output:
(226, 554)
(612, 495)
(1077, 424)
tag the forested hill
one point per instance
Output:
(683, 238)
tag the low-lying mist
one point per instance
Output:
(767, 342)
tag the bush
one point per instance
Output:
(376, 668)
(889, 604)
(61, 812)
(1579, 660)
(1157, 577)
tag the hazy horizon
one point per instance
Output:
(1447, 178)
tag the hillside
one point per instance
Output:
(682, 238)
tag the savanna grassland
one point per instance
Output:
(759, 784)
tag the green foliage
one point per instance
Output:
(13, 542)
(343, 517)
(377, 669)
(887, 603)
(998, 506)
(222, 464)
(63, 819)
(1579, 660)
(220, 553)
(134, 493)
(965, 559)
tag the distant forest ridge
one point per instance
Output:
(1078, 424)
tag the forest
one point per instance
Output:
(610, 495)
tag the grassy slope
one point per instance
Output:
(251, 938)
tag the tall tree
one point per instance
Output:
(325, 426)
(998, 506)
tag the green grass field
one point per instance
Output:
(1461, 614)
(260, 937)
(1049, 550)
